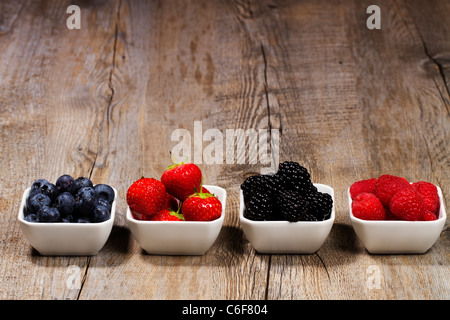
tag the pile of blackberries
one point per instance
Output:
(287, 195)
(68, 200)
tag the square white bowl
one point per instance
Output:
(284, 237)
(66, 239)
(396, 236)
(178, 237)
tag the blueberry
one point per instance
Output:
(65, 183)
(37, 200)
(105, 191)
(104, 202)
(101, 213)
(45, 187)
(82, 182)
(37, 184)
(83, 220)
(67, 219)
(48, 214)
(32, 217)
(85, 201)
(65, 203)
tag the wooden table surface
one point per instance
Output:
(103, 101)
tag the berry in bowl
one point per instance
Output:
(171, 217)
(68, 217)
(393, 216)
(285, 212)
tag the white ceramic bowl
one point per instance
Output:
(178, 237)
(284, 237)
(66, 239)
(398, 237)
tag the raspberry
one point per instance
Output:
(363, 186)
(367, 206)
(429, 216)
(388, 185)
(389, 215)
(429, 193)
(407, 204)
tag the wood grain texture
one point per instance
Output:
(350, 103)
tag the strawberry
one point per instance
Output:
(201, 207)
(429, 193)
(407, 204)
(367, 206)
(171, 202)
(145, 197)
(204, 190)
(361, 186)
(182, 179)
(167, 215)
(387, 185)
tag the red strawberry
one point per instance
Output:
(367, 206)
(145, 197)
(171, 202)
(166, 215)
(182, 180)
(388, 185)
(407, 204)
(429, 193)
(429, 216)
(363, 186)
(204, 190)
(201, 207)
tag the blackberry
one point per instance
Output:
(272, 184)
(248, 188)
(260, 207)
(292, 206)
(295, 177)
(287, 195)
(320, 205)
(310, 217)
(262, 183)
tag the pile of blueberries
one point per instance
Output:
(69, 200)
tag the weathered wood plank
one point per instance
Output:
(177, 76)
(54, 98)
(103, 101)
(352, 118)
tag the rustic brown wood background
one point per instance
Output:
(350, 103)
